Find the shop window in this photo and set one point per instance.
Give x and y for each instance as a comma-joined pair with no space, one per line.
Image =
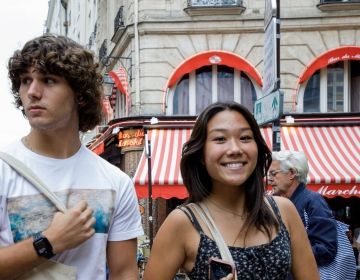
355,86
335,88
181,97
203,88
209,84
225,84
249,97
311,95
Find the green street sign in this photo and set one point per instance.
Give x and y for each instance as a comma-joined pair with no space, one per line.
268,108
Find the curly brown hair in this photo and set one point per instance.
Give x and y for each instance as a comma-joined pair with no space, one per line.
59,55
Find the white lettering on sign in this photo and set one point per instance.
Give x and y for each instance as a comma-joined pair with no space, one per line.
346,56
326,191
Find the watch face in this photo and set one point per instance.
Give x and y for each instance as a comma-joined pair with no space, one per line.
43,247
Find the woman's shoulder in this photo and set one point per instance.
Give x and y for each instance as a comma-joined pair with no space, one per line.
177,228
178,218
286,207
282,201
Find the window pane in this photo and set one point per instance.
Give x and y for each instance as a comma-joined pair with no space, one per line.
122,104
335,94
248,93
203,88
312,94
120,100
225,83
355,86
181,97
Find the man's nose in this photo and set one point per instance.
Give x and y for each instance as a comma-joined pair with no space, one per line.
34,90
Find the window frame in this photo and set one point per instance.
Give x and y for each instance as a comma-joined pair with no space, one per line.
120,107
192,90
323,90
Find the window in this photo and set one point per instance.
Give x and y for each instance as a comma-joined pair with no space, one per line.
181,97
120,107
355,86
207,85
335,88
311,95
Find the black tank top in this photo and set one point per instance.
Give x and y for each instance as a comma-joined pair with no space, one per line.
269,261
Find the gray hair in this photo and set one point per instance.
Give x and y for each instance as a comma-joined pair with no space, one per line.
295,160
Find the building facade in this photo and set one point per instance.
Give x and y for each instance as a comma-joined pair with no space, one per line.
170,58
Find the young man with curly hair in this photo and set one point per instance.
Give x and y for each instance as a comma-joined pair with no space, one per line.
57,85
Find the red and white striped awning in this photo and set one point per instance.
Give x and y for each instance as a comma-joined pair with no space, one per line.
120,78
333,153
166,145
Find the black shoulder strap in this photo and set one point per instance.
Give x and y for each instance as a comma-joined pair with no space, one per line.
190,214
275,208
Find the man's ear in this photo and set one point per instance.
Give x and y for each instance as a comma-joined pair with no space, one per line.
292,173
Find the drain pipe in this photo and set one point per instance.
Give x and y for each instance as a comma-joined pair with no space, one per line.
137,57
64,3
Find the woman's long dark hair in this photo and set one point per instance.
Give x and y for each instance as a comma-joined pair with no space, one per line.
198,181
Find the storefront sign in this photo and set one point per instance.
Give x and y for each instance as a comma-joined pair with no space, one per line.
332,56
330,191
334,190
131,138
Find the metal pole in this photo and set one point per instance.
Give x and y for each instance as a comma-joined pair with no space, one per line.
276,135
276,124
278,43
150,219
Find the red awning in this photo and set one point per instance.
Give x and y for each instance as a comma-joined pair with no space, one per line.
99,149
333,153
166,145
329,57
121,81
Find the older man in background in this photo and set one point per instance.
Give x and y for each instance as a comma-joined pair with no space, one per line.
287,175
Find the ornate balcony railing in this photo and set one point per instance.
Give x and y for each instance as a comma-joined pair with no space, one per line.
103,52
92,37
338,5
214,3
119,19
212,7
337,1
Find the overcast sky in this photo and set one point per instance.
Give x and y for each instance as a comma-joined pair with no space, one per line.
20,21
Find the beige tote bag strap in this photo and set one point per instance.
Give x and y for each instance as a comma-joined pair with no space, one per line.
205,215
27,173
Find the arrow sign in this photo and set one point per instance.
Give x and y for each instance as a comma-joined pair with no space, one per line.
275,103
268,108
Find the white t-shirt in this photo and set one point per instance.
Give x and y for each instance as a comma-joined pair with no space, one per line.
84,176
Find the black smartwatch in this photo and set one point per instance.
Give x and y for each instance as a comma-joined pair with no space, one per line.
42,246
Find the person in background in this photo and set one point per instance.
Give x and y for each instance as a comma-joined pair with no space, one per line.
223,165
287,175
356,243
57,85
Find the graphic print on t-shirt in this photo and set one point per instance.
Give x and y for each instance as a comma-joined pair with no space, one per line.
33,213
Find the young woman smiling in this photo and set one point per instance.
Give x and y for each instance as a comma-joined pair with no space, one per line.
223,165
